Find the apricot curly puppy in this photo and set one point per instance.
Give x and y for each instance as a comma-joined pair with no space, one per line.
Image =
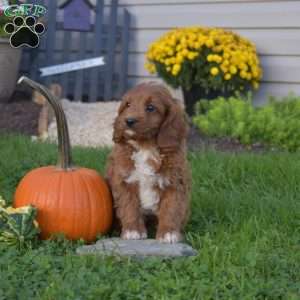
147,169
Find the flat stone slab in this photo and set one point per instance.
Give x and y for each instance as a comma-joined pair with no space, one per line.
136,248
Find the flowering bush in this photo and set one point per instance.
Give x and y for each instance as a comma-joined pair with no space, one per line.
213,58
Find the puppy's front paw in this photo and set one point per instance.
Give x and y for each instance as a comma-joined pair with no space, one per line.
170,237
133,235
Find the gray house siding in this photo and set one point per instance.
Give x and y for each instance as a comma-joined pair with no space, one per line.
273,25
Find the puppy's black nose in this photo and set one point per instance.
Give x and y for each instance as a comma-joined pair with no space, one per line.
130,122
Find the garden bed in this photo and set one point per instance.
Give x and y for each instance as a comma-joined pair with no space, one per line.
21,116
199,141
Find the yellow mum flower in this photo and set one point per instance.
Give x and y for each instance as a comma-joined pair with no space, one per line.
183,42
227,76
209,43
150,55
217,58
167,62
210,57
255,72
176,68
226,55
243,66
171,42
214,71
151,68
172,60
192,36
243,74
192,55
178,48
226,62
218,48
197,45
179,58
233,70
190,44
201,40
185,52
224,68
170,52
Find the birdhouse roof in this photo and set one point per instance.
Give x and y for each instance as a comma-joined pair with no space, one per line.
64,3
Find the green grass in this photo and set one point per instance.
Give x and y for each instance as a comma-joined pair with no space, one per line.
245,225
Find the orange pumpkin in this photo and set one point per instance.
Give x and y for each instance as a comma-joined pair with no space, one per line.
70,200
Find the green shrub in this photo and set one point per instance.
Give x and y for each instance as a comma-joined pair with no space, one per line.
275,124
4,19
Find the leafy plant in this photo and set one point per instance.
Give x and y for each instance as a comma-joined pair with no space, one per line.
4,19
213,58
17,225
276,124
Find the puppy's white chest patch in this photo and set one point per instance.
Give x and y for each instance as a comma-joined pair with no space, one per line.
147,178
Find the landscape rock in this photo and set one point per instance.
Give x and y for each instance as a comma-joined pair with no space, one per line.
137,248
90,124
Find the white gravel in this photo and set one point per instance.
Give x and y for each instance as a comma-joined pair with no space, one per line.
90,124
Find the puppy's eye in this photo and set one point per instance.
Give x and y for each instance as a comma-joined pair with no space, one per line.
127,104
150,108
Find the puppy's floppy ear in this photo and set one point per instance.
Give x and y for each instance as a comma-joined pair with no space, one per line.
122,106
174,129
117,132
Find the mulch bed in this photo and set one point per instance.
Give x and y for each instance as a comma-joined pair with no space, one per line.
200,141
20,115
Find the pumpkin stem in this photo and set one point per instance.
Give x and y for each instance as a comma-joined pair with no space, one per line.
64,147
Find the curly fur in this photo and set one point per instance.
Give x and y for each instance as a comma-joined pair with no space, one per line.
147,169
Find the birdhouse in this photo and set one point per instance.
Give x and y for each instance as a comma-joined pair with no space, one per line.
77,15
